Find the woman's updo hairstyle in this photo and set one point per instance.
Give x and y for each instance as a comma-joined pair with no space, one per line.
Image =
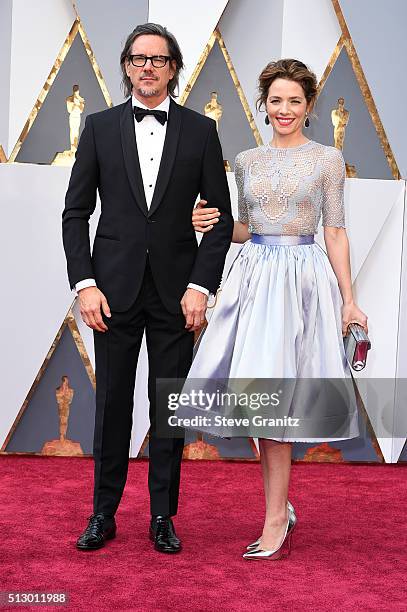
292,70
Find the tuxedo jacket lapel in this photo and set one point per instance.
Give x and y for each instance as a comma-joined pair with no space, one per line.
130,154
168,155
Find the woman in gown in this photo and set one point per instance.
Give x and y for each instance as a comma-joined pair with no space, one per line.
285,304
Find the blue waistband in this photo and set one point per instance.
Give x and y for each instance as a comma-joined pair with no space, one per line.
282,240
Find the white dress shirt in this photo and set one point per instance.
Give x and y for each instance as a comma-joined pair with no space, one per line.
150,136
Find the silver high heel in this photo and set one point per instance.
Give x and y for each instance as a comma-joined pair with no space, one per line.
283,549
294,520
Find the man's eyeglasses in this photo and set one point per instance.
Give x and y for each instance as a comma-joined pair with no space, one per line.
158,61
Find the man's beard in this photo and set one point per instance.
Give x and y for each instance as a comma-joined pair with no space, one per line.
147,93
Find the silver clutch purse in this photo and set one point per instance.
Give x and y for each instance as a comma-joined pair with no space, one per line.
357,344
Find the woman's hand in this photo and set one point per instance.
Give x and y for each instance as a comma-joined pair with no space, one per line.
203,219
351,313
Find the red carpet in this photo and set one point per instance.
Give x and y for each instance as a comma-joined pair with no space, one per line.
349,548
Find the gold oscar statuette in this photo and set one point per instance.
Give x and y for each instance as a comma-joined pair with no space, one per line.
63,446
200,450
75,105
214,110
323,452
351,171
340,119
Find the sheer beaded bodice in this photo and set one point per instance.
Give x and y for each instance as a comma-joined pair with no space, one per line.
285,190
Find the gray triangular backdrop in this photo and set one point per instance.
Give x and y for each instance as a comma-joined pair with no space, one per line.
235,132
49,133
378,31
107,29
40,421
362,146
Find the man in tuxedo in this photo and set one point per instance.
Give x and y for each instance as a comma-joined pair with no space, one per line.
149,158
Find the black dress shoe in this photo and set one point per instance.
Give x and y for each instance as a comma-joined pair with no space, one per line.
162,533
99,529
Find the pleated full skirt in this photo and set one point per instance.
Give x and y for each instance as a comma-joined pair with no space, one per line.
278,316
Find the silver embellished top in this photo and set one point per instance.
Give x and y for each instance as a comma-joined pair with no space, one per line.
284,191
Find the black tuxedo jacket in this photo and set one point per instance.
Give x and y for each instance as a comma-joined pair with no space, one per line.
127,232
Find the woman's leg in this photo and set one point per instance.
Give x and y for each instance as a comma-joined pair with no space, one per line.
265,472
276,463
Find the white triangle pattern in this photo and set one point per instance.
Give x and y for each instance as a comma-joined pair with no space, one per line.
32,31
377,291
369,202
180,19
273,36
37,295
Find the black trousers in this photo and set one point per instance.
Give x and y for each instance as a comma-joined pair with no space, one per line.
169,347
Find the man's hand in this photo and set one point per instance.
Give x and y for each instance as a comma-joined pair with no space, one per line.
193,306
90,301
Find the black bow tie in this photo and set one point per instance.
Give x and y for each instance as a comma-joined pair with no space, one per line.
140,113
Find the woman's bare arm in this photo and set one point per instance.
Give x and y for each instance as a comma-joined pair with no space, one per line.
337,246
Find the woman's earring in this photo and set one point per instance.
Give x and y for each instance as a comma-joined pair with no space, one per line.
306,122
267,120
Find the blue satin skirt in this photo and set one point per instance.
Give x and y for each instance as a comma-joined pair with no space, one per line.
278,316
